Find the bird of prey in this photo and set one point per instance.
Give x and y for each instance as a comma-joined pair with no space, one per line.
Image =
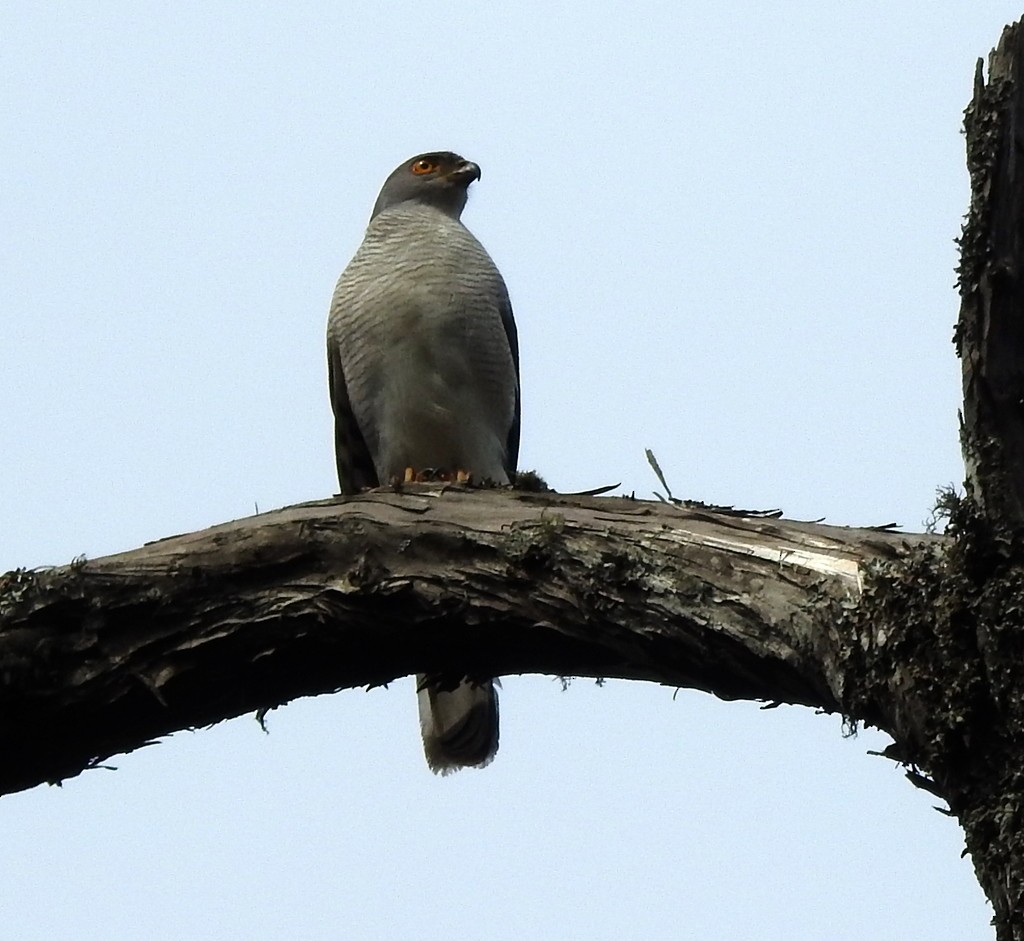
423,365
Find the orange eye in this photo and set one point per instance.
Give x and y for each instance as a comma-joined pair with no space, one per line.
423,166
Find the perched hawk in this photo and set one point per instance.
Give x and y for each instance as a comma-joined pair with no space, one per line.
423,365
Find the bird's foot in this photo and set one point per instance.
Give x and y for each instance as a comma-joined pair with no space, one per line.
426,475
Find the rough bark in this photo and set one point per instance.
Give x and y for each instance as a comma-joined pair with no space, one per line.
980,762
990,332
100,656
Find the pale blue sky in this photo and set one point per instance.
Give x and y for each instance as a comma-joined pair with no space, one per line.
728,235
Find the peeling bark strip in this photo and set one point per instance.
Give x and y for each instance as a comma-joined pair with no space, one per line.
99,657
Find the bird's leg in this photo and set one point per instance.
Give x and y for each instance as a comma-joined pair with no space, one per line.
427,475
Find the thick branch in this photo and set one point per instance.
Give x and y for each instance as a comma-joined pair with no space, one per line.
99,657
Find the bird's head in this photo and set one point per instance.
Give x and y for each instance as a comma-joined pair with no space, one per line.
440,179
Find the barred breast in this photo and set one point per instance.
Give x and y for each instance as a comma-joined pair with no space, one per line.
417,318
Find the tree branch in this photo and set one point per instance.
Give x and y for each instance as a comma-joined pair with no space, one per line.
101,656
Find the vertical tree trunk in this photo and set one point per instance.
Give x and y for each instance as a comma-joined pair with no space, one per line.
984,780
990,334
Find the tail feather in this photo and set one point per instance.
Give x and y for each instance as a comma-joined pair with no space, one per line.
459,726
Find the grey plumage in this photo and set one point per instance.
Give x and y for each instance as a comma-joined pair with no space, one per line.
423,368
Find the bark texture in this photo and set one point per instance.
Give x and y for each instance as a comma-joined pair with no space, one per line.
990,332
101,656
979,763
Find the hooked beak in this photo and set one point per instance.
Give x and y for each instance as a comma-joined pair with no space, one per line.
465,173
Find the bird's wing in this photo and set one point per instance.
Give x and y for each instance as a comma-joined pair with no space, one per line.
512,335
355,466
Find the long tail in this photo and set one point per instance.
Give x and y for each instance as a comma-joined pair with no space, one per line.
459,726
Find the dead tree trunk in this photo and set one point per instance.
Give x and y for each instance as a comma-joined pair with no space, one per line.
922,636
982,770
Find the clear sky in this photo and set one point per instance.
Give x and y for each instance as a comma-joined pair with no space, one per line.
728,232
